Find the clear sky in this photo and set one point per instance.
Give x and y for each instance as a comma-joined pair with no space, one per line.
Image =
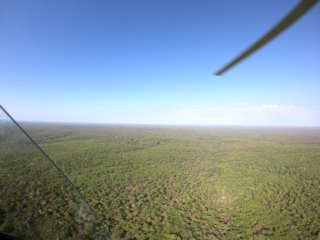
151,61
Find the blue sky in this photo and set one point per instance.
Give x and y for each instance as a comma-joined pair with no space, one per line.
134,61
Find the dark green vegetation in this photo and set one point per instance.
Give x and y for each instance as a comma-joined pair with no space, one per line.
35,200
188,183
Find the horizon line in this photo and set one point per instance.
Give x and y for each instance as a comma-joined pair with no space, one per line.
167,124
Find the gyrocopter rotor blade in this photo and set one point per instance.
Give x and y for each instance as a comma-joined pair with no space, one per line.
294,15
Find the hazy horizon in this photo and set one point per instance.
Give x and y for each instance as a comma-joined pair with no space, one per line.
147,125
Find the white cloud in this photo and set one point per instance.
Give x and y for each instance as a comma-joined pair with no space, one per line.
249,114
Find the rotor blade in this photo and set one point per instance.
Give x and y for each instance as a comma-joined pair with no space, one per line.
295,14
